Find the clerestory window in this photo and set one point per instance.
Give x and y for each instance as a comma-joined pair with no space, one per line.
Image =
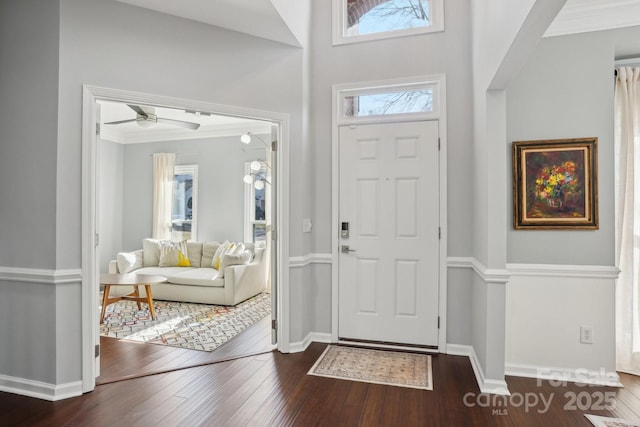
362,20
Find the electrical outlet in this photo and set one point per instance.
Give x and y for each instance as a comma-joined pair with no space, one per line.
586,334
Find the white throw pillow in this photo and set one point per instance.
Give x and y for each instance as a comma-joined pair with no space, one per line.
222,250
234,259
151,248
238,249
208,251
129,261
174,254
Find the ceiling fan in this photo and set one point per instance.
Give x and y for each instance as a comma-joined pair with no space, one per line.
146,116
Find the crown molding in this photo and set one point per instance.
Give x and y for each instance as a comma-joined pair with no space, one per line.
594,15
179,134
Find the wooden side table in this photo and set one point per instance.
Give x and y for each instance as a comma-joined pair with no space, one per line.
135,280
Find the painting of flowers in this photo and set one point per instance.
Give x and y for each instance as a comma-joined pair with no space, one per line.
554,184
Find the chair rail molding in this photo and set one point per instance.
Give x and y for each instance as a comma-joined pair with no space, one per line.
37,275
313,258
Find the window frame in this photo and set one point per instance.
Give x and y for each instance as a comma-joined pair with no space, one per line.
249,205
389,86
339,27
193,171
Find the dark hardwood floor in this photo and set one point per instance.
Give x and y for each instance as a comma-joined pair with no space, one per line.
273,389
120,360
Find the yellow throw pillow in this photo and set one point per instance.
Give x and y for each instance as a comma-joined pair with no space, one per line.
174,254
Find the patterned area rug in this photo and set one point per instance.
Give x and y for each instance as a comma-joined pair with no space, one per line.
599,421
375,366
178,324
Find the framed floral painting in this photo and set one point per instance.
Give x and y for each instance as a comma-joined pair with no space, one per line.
555,184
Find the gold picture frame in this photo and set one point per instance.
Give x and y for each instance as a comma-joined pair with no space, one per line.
555,184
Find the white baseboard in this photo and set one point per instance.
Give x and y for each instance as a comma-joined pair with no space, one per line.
300,346
564,375
40,390
486,385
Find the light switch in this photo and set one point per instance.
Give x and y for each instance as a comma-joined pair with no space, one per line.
306,225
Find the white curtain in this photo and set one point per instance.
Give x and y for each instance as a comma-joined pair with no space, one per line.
627,164
163,172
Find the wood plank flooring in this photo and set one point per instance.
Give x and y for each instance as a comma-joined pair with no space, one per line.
121,359
273,389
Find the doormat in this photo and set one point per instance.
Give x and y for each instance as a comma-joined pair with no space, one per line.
599,421
186,325
412,370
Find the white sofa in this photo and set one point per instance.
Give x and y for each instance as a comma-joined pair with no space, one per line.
200,282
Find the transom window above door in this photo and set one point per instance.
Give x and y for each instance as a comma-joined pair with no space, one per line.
400,100
363,20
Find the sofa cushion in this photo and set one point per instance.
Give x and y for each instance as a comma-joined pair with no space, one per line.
234,259
151,248
174,254
128,261
208,251
197,277
162,271
194,249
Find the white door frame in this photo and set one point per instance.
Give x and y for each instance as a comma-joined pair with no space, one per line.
439,113
89,208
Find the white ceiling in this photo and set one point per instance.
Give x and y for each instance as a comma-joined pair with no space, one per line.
254,17
210,125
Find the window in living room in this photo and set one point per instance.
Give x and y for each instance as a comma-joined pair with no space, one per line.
183,214
255,206
363,20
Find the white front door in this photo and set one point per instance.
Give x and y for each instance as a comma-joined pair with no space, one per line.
389,196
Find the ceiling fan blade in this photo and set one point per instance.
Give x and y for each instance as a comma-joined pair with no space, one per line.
180,123
121,121
138,110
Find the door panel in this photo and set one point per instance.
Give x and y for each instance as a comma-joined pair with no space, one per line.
389,194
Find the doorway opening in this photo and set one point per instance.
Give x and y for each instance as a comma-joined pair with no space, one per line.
115,207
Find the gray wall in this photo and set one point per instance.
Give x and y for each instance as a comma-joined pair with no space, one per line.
448,52
566,91
29,32
110,211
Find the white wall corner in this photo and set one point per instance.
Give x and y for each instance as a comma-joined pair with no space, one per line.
300,346
40,390
561,376
486,385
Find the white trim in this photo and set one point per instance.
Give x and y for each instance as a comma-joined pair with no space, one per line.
338,25
440,114
575,271
499,387
36,275
300,346
538,270
303,261
563,375
40,390
89,207
587,16
489,275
